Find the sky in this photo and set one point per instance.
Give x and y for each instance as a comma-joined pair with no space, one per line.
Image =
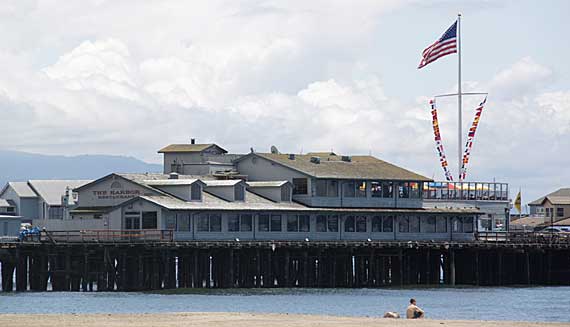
127,77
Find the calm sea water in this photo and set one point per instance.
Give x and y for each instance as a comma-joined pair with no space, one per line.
521,304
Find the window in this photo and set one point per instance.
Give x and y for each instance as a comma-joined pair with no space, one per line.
428,224
327,188
239,193
149,220
403,190
233,223
298,223
263,223
376,189
387,189
388,224
441,225
195,192
300,186
132,220
348,190
559,212
183,222
285,193
327,223
457,225
467,224
246,223
414,224
355,224
404,225
275,223
361,189
55,212
415,190
209,222
376,224
5,232
10,209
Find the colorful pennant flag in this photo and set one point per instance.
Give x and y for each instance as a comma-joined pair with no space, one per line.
438,143
470,137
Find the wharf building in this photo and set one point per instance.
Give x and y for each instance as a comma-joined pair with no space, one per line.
205,193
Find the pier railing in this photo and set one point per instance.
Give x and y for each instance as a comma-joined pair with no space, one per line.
524,237
112,236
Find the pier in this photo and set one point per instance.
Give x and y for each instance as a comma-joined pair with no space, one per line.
115,261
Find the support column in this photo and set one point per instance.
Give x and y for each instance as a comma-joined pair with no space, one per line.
451,267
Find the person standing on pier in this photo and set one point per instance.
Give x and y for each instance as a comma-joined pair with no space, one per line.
413,311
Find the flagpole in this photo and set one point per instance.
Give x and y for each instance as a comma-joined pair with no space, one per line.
459,111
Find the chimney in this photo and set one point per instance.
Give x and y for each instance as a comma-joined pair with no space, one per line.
192,141
173,176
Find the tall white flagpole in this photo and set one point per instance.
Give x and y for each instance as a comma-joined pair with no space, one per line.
459,113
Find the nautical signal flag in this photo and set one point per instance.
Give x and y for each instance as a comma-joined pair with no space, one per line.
518,202
445,45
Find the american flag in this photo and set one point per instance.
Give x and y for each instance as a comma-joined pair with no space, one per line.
446,44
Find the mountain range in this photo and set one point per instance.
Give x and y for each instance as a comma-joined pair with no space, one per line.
22,166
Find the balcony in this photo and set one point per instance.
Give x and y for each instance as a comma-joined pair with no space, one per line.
466,191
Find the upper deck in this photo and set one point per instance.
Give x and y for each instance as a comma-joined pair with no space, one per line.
466,191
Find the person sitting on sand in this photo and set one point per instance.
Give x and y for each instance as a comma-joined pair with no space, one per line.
413,311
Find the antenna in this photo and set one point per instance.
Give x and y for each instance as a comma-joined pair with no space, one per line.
274,150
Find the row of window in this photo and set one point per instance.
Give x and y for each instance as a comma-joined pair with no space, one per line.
324,223
358,189
559,212
138,220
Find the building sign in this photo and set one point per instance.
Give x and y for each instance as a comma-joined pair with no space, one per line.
116,194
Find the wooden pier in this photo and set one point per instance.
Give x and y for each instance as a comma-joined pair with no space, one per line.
113,263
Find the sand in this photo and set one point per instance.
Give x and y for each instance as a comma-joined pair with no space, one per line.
236,319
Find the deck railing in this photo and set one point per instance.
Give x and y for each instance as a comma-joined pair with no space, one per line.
104,236
524,237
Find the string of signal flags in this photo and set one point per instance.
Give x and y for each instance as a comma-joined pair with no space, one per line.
450,43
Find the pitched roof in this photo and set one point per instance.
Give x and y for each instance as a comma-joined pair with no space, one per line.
222,182
267,184
528,221
188,148
4,203
52,190
563,192
332,166
562,222
22,189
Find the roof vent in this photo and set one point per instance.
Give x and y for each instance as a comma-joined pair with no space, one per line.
316,160
346,158
173,176
291,156
192,141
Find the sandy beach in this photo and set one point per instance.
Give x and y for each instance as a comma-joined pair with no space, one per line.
237,319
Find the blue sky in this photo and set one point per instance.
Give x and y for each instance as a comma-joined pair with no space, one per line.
127,77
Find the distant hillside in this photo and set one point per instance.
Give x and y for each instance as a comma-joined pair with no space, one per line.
22,166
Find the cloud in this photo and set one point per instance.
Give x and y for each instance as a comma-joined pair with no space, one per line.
524,77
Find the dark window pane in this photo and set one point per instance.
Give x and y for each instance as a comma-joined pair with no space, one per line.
215,223
387,190
195,192
361,224
414,224
149,220
404,225
183,222
246,223
321,186
403,190
299,186
128,223
414,190
441,225
233,223
202,223
468,224
321,223
348,189
332,189
292,225
376,224
332,224
349,224
263,223
387,224
239,193
304,223
276,223
428,224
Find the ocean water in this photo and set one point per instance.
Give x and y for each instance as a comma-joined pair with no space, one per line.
521,304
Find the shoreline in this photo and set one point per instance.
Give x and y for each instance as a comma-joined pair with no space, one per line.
243,319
